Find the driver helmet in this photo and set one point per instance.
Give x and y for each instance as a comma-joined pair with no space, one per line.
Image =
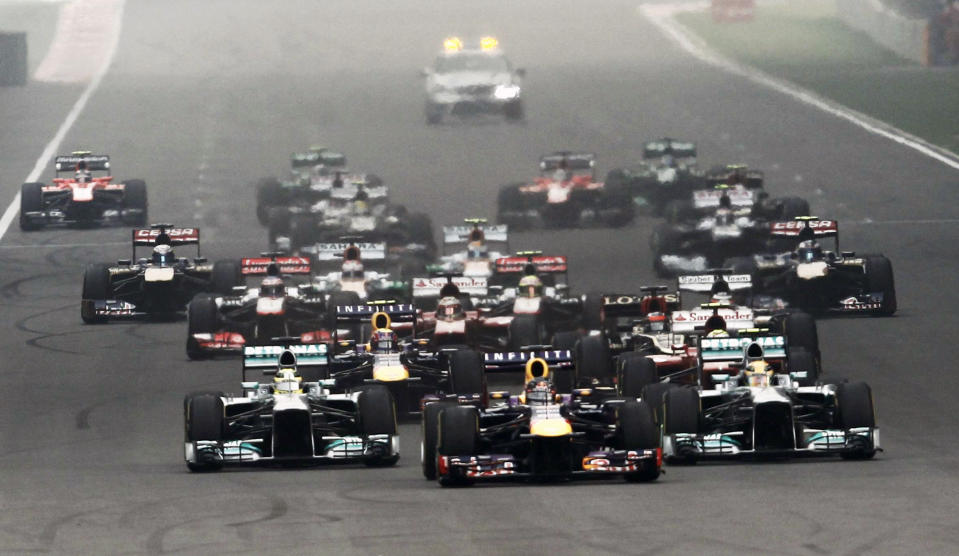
562,172
272,286
655,323
725,202
384,340
758,374
82,174
718,333
449,308
163,254
737,175
352,269
725,216
476,250
809,251
540,391
287,381
530,286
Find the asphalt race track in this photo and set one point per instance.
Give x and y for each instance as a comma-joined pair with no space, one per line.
204,97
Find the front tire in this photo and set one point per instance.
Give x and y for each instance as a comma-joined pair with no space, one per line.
135,197
31,200
637,431
430,427
458,435
879,278
856,410
377,412
96,287
202,318
204,421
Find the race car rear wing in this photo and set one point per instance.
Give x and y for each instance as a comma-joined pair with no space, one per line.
678,149
266,357
306,159
733,349
516,360
431,287
703,283
94,162
165,234
541,263
653,299
260,266
464,234
796,228
326,252
398,312
710,198
574,161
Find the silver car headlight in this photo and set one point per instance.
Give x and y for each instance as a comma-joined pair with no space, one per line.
506,92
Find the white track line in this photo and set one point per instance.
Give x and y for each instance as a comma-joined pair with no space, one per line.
51,149
661,15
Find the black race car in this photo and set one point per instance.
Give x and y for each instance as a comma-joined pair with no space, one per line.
817,280
667,172
541,435
159,286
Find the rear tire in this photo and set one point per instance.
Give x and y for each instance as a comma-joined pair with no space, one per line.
269,193
31,200
682,413
226,275
637,431
278,223
96,287
634,372
135,197
594,364
525,330
801,359
340,299
301,231
467,374
202,318
593,311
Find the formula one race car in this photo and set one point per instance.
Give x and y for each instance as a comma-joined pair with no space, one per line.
695,246
667,172
742,199
540,435
472,81
226,323
356,274
566,194
160,286
466,249
288,419
312,174
83,200
761,410
821,281
410,369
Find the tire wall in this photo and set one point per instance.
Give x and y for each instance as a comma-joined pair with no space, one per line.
13,59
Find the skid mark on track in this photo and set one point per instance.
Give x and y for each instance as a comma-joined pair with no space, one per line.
41,335
12,288
278,509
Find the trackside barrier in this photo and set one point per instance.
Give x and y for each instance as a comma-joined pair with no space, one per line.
13,59
905,36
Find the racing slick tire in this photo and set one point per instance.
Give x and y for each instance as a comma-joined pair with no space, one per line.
655,395
879,278
593,311
458,434
467,375
430,428
800,330
801,359
278,223
633,372
301,231
514,111
96,286
682,413
203,420
225,276
618,205
269,193
202,318
31,200
377,412
637,430
856,409
525,330
593,362
565,339
135,197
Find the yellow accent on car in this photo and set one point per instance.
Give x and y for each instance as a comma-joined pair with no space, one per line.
380,315
550,428
390,373
533,362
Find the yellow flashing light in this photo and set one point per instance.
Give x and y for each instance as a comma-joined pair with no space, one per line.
488,43
452,44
